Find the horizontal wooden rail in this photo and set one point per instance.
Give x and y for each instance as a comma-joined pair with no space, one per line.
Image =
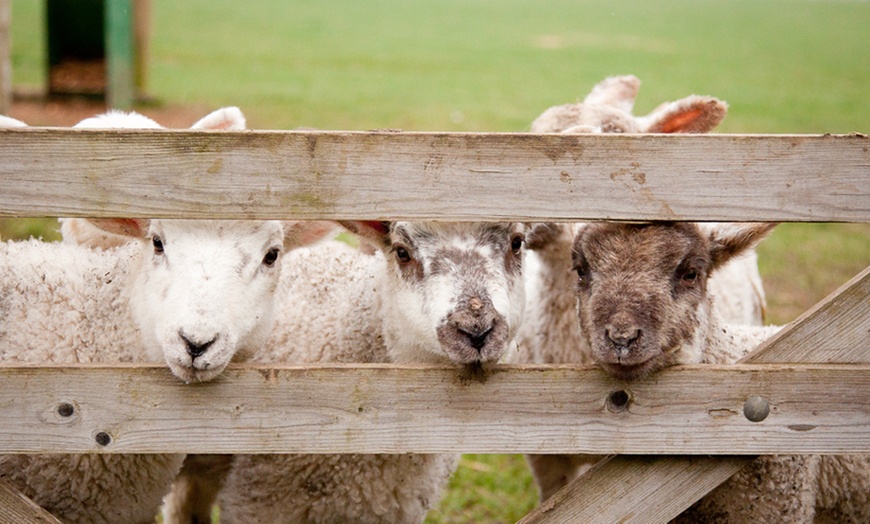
443,176
382,408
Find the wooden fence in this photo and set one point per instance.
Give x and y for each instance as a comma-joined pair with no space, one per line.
683,432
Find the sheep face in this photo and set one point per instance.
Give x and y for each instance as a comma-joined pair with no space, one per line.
204,295
453,292
642,290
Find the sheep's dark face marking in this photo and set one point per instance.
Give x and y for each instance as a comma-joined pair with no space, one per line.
639,288
457,291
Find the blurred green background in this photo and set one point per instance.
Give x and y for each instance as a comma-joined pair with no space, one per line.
790,66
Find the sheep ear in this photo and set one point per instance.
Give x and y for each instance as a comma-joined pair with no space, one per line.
694,114
299,233
374,231
129,227
616,91
729,240
8,122
224,119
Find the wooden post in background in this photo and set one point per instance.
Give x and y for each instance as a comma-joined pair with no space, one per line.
5,57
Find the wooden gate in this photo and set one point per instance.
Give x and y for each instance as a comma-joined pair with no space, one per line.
685,431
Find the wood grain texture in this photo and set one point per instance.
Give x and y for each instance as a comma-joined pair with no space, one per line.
445,176
17,508
635,490
387,409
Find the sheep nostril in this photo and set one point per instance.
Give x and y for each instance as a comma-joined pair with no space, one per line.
196,349
477,339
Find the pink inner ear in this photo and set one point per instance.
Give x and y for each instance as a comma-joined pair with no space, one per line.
676,123
380,227
131,227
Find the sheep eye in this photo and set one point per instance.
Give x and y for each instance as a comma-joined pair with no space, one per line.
582,274
158,244
402,255
517,244
690,276
271,257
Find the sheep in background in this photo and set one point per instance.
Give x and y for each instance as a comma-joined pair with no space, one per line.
550,333
433,293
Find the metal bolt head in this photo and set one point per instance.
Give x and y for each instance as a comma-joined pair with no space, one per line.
756,408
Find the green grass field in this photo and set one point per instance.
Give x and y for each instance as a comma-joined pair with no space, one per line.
789,66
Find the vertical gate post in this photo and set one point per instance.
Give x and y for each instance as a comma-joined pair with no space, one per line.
5,54
120,71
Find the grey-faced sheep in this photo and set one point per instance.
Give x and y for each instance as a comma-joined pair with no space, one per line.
549,333
433,293
192,294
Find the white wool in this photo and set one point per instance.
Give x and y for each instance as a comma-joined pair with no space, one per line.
341,314
67,304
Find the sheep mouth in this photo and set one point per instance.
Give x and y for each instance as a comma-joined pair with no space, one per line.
474,346
628,371
195,371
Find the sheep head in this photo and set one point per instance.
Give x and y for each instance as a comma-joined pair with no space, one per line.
608,109
453,291
642,289
203,293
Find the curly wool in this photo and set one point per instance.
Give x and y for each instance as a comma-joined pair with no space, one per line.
67,304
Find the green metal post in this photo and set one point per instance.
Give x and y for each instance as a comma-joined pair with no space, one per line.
120,71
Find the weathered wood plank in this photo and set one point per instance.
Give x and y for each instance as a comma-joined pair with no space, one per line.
379,408
15,507
637,489
445,176
831,321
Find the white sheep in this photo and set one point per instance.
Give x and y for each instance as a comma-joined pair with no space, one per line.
549,333
194,294
643,306
434,293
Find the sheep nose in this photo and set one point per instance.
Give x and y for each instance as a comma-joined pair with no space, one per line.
196,349
622,336
477,338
